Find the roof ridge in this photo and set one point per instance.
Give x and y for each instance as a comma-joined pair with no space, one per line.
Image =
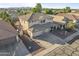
74,16
30,16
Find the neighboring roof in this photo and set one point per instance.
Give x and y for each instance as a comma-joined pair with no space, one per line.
6,30
61,14
69,16
39,16
59,19
76,15
35,16
41,27
25,17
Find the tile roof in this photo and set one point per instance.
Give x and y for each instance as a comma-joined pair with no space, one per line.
57,18
6,30
70,17
67,15
39,16
76,15
25,17
61,14
35,16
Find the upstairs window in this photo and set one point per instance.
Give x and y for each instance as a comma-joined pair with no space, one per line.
42,21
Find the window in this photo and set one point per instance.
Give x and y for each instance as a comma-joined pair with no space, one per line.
42,21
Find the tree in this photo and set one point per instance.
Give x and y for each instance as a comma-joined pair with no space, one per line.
5,16
70,25
34,10
21,11
38,7
64,10
68,9
48,11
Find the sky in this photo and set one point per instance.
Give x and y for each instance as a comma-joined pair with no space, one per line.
44,5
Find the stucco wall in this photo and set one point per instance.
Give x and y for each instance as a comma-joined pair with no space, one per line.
33,23
40,32
39,22
33,34
24,24
49,20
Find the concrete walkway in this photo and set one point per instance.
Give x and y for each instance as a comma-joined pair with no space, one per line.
48,47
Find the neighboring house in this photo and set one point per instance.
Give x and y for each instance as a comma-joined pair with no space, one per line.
76,15
60,20
7,33
36,23
68,17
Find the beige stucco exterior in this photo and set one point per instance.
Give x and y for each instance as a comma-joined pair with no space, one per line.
24,24
39,22
40,32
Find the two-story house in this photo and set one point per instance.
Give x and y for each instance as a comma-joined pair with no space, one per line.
36,23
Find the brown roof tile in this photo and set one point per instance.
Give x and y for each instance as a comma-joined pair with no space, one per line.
57,18
35,16
6,30
67,15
